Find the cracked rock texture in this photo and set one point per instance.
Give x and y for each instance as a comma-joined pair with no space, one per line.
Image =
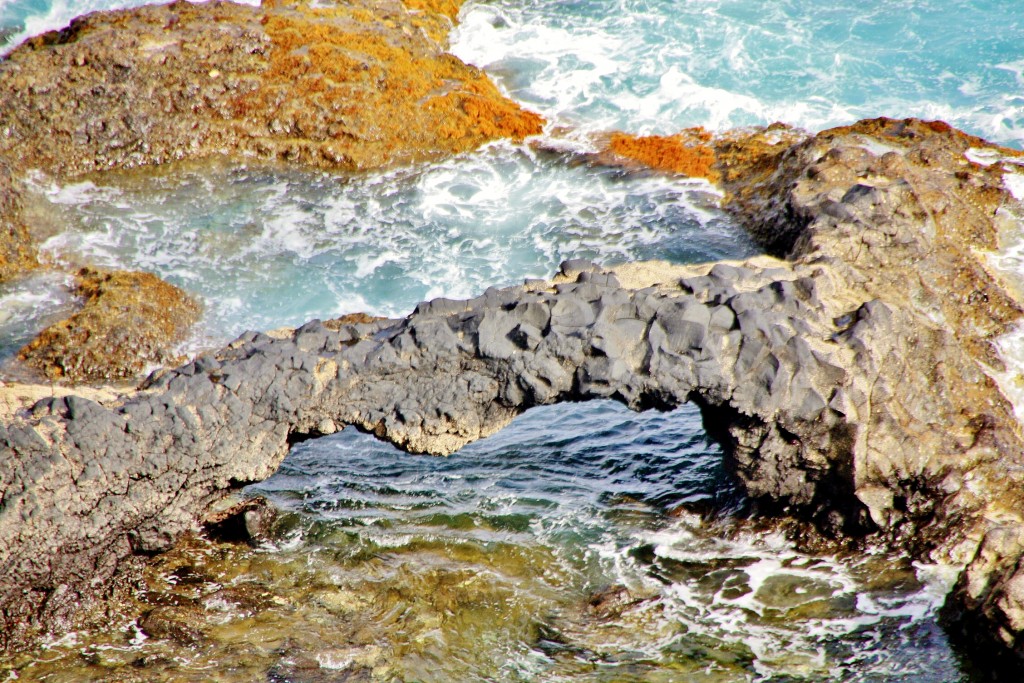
848,379
750,342
899,213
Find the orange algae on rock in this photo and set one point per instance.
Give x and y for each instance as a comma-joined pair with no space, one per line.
374,97
687,152
448,8
346,85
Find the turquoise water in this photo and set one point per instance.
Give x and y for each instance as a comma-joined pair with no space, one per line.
605,498
660,65
285,246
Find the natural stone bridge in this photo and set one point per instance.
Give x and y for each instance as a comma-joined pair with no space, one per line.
761,347
849,382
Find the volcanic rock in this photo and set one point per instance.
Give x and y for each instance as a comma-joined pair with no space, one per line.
346,86
127,321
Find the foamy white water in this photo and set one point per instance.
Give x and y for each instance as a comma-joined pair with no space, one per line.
655,66
281,247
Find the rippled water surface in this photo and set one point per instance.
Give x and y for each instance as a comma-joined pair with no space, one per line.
583,543
566,548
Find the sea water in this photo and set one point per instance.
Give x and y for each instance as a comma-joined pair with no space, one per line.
583,542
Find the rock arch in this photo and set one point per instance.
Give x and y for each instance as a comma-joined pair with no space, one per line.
849,380
745,341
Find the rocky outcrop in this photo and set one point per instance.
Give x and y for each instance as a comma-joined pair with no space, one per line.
126,323
850,378
899,212
687,153
347,86
749,342
17,254
849,381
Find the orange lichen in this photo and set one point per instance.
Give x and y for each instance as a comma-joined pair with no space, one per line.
687,152
356,85
448,8
373,87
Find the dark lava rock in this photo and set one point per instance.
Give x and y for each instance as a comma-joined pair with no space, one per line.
848,382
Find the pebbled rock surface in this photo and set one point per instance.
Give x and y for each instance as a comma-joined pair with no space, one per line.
343,85
126,323
17,253
849,380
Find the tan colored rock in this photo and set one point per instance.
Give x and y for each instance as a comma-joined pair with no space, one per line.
15,397
127,322
334,85
17,254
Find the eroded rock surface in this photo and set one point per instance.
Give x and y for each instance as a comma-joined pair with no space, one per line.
748,342
347,85
899,212
849,381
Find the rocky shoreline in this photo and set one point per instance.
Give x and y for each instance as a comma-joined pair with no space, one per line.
849,374
357,86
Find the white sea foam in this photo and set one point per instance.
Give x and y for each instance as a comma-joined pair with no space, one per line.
1014,182
656,68
29,304
758,563
281,248
1011,378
